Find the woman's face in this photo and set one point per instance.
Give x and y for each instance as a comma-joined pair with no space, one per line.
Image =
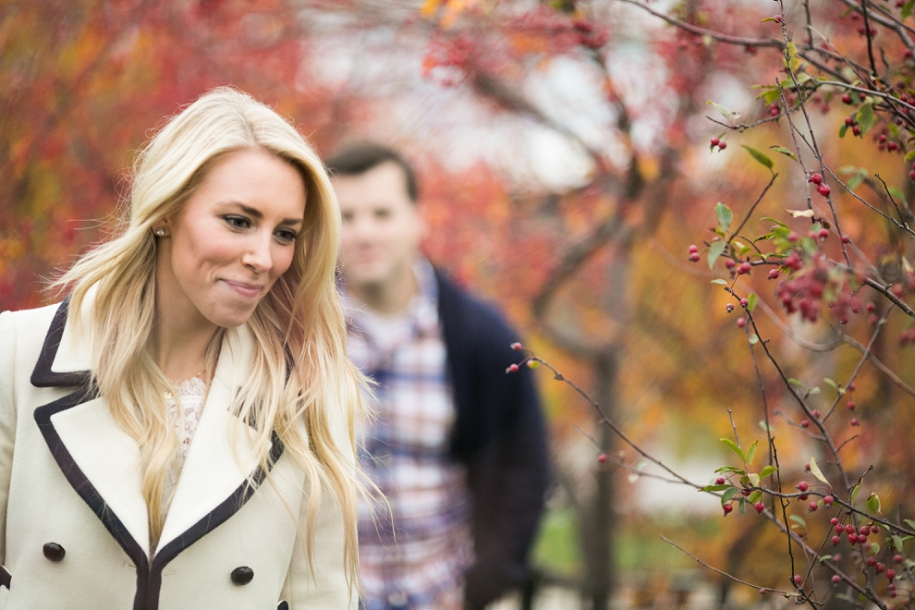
230,242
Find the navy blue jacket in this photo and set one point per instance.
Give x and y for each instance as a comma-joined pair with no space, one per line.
499,435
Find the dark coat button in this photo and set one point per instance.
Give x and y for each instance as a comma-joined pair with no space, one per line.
53,551
242,575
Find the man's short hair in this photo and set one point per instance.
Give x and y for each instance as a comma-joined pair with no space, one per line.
356,159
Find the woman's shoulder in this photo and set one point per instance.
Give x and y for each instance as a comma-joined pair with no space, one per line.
26,329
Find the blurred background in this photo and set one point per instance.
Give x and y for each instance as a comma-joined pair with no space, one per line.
565,167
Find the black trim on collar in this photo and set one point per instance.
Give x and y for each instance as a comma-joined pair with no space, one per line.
84,487
5,578
149,578
211,521
42,375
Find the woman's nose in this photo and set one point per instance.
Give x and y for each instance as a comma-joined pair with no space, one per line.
257,256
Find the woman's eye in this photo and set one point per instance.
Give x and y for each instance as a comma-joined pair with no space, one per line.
286,236
237,222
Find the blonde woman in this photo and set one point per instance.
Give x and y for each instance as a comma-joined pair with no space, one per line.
177,433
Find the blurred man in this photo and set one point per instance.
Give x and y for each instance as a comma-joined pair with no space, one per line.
458,447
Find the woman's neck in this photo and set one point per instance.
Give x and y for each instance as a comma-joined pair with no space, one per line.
180,347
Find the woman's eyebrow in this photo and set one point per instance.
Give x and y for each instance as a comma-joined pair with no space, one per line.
259,215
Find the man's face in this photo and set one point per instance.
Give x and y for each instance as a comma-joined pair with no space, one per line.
382,227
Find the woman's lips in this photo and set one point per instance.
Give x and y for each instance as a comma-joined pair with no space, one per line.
246,290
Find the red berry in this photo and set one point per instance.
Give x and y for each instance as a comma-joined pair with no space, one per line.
846,98
824,190
824,233
856,130
805,423
744,268
880,569
852,386
602,458
715,141
836,540
871,561
729,307
763,591
833,521
694,257
719,481
912,175
852,538
773,274
890,574
851,405
693,248
512,368
836,579
816,178
828,500
846,239
744,303
728,508
741,322
803,497
516,346
798,579
898,558
849,529
839,528
803,486
812,507
854,421
729,263
875,529
722,145
815,413
891,146
760,507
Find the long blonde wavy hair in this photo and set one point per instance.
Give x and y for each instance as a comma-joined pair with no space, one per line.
300,371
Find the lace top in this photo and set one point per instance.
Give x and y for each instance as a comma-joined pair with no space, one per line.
184,411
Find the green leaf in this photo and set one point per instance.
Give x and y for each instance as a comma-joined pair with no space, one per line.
831,383
719,281
854,493
842,130
772,220
911,154
751,452
765,427
875,548
823,558
753,339
910,523
759,156
754,479
907,9
873,503
767,471
896,193
734,448
725,216
784,151
798,520
729,494
814,391
751,302
854,182
815,471
715,487
865,118
724,469
769,19
724,111
714,251
798,383
897,543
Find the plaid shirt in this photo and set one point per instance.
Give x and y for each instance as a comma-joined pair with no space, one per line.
415,556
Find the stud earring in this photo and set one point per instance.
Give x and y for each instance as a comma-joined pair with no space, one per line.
161,232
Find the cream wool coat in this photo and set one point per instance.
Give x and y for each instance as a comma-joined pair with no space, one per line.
69,476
